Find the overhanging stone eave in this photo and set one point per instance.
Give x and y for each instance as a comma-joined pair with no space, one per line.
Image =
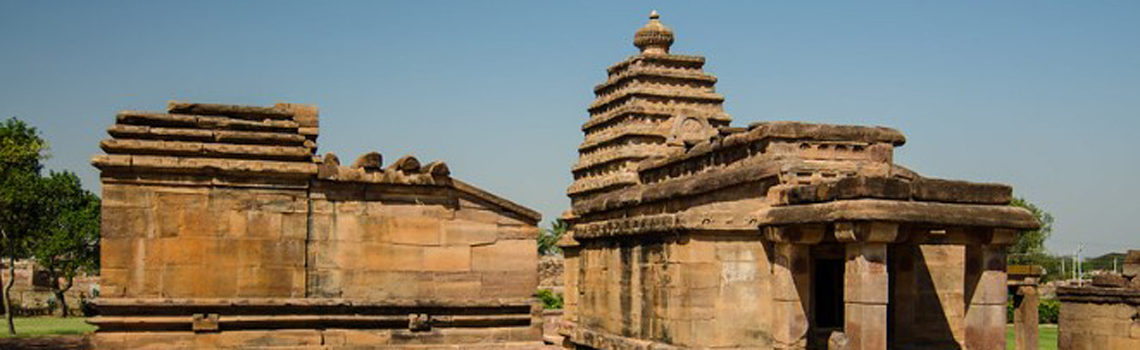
930,213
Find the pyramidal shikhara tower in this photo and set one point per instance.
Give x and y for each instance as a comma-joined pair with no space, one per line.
650,105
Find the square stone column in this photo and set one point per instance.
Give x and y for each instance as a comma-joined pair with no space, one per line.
791,288
986,291
865,294
1025,318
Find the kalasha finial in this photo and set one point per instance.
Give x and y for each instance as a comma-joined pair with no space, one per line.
654,38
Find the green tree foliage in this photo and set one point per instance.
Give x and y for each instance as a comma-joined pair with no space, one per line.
21,150
1030,247
550,300
66,242
548,238
51,219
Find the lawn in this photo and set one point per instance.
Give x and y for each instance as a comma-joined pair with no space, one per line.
1046,337
46,326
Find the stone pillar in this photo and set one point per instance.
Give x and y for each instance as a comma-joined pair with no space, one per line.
866,286
865,294
986,291
1025,318
791,288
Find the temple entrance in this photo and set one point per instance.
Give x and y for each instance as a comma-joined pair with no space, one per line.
828,296
827,308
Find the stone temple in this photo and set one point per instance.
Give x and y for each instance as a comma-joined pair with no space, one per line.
688,233
222,228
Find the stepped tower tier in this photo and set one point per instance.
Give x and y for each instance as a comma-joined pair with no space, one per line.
651,105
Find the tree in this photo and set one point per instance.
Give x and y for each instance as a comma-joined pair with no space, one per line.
66,242
548,238
21,151
1030,246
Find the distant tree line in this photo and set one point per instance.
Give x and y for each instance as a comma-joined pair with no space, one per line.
49,218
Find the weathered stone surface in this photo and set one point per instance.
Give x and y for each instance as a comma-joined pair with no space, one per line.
936,190
689,234
371,161
1111,280
1098,318
237,111
1131,267
266,245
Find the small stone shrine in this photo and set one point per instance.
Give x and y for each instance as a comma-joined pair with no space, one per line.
222,228
687,233
1104,315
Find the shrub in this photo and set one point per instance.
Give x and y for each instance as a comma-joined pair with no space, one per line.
1048,311
550,301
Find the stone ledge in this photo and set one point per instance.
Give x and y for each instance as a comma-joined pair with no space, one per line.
205,149
695,61
923,190
235,111
1000,216
694,94
159,119
603,340
121,131
679,74
201,165
1099,295
664,112
303,302
254,322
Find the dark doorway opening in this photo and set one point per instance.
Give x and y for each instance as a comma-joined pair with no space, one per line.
828,282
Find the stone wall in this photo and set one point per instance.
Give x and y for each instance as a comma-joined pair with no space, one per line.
31,289
223,229
372,243
551,269
1105,315
696,290
1099,319
180,242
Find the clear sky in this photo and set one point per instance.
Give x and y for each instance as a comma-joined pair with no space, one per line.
1043,95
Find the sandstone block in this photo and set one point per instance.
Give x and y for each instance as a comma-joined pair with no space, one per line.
1132,263
447,258
460,232
505,255
371,161
1111,280
936,190
412,230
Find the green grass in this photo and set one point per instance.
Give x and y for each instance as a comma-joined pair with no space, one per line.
46,326
1046,337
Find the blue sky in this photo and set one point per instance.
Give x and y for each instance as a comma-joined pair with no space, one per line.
1043,95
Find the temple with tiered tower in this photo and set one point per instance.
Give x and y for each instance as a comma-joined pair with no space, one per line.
688,233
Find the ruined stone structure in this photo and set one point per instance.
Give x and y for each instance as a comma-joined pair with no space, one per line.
31,289
689,233
1105,315
1022,281
223,229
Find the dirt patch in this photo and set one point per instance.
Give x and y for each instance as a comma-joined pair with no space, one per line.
70,342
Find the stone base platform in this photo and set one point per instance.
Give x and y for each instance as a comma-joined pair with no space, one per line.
316,324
